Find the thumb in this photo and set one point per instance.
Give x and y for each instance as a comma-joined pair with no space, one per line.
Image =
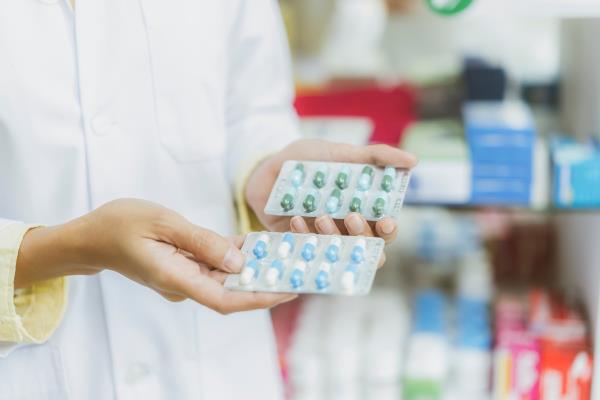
208,247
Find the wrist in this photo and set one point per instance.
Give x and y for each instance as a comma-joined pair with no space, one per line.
51,252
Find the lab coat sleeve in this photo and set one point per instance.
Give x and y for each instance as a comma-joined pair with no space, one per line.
26,315
260,118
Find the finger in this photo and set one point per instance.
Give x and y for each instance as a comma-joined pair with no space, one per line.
381,260
237,240
378,154
176,298
387,229
299,225
211,293
357,225
207,246
325,226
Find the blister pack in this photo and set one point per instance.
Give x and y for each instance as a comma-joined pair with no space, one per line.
313,188
307,263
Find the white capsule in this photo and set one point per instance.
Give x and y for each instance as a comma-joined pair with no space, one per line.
325,266
301,265
348,280
362,243
247,276
284,249
272,276
264,238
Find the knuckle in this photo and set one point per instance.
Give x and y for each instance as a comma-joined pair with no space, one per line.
204,239
164,279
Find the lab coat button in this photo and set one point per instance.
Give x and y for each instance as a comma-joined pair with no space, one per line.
136,372
102,125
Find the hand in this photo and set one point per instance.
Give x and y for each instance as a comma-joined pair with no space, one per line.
264,176
147,243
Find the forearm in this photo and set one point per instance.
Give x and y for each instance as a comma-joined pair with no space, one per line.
51,252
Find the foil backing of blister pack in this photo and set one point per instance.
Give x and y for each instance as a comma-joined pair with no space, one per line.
365,270
393,199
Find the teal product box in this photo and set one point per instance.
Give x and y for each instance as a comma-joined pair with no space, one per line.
575,173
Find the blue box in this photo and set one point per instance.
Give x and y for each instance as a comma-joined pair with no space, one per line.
576,173
501,138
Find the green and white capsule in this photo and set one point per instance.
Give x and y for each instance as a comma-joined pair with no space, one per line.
343,178
356,201
387,182
288,201
334,201
311,201
320,178
366,178
297,176
379,205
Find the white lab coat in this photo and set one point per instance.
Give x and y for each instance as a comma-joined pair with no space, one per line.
153,99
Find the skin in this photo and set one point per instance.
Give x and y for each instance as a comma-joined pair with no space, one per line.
158,248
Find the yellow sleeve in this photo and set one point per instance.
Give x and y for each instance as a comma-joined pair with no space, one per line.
26,315
247,220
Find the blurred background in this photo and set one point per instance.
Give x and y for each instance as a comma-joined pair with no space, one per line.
492,289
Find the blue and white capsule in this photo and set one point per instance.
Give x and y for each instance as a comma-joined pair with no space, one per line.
358,251
297,276
309,248
260,247
297,177
320,178
387,182
333,250
334,201
323,278
274,273
365,179
286,246
250,272
348,280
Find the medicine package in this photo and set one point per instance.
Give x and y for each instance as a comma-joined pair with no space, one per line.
308,263
313,188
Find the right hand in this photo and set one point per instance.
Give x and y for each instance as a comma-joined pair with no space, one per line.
147,243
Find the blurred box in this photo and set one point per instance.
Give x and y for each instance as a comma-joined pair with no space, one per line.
501,137
576,173
483,81
443,175
389,108
565,372
516,365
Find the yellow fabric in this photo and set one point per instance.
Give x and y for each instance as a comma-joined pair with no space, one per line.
247,220
26,315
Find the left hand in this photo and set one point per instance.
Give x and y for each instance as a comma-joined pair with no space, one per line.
263,178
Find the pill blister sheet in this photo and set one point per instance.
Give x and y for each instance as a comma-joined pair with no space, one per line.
392,199
364,270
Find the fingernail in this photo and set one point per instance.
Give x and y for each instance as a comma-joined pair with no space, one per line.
234,260
387,227
298,224
325,225
355,224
